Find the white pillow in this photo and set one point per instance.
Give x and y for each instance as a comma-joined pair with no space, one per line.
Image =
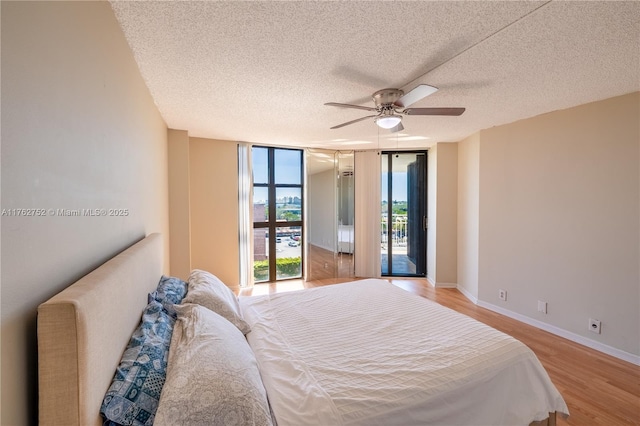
212,375
207,290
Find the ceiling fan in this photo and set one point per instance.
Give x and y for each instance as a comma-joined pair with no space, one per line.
391,105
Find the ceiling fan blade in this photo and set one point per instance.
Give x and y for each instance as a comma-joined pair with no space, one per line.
414,95
350,106
434,111
398,128
353,121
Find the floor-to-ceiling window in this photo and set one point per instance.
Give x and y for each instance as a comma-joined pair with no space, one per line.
403,213
277,213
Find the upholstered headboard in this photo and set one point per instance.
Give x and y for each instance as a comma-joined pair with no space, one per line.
84,329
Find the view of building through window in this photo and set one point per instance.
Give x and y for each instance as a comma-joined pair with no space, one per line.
277,213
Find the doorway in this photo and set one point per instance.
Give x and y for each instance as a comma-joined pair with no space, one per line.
403,214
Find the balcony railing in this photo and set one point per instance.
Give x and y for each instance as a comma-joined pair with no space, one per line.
398,232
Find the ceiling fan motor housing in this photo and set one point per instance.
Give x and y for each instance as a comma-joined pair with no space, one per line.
386,97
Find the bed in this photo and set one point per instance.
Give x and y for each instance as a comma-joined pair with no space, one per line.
346,359
346,239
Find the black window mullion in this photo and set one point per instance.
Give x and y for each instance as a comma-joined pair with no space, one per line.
390,214
272,216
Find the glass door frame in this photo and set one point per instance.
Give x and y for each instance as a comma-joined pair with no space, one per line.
422,221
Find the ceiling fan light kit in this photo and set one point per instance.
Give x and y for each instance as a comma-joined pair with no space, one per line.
391,105
388,121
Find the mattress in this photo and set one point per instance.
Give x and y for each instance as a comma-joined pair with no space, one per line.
346,239
370,353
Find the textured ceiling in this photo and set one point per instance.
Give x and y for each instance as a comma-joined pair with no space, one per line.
262,71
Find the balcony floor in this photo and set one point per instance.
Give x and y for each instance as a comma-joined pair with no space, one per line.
401,264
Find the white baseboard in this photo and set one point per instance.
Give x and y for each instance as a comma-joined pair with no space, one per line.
446,285
601,347
431,281
468,295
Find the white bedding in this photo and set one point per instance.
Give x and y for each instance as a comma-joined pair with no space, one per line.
370,353
346,239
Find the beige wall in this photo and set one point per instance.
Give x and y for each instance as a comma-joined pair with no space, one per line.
442,202
203,211
558,217
213,176
446,213
468,198
79,131
179,203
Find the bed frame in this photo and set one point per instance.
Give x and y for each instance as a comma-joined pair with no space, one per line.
83,331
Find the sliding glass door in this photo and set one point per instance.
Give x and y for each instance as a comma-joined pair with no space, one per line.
277,213
403,214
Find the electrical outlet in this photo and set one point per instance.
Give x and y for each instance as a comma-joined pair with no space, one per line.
542,306
502,294
594,325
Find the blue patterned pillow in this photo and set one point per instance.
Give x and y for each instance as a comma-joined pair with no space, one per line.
170,291
132,398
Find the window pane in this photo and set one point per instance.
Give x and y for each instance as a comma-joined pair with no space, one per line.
288,204
399,187
260,160
288,252
288,166
260,204
260,255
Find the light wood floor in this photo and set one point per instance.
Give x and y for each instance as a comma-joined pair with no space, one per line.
599,389
325,264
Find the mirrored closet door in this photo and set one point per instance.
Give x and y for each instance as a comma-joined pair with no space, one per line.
330,214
